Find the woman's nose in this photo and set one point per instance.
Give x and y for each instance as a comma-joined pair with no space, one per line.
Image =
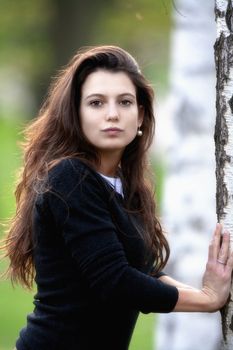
112,113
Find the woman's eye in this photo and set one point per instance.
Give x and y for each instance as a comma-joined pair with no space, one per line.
96,103
126,102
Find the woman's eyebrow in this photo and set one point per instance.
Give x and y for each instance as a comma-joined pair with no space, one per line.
94,95
127,94
103,95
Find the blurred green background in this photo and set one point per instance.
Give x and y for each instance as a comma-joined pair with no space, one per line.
38,37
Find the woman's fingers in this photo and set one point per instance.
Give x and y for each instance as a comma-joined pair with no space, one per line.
219,246
215,243
229,264
224,250
217,277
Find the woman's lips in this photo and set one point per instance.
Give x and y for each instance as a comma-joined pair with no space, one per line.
112,131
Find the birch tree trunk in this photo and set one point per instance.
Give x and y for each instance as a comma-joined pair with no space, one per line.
189,211
224,137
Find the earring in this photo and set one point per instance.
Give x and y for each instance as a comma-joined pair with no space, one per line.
139,133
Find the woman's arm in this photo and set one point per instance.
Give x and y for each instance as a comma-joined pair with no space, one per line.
80,207
190,298
172,282
216,280
79,204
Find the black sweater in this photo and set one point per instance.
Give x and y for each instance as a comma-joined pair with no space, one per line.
91,274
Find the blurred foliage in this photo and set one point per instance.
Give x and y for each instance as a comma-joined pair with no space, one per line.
142,27
37,37
24,41
9,162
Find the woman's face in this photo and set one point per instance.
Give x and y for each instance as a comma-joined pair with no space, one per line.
109,112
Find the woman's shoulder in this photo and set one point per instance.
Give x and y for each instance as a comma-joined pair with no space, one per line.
70,168
68,173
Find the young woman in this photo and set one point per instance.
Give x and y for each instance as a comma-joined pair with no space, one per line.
85,227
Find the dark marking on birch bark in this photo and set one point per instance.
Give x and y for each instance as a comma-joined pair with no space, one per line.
229,18
231,324
218,13
221,197
224,312
230,48
231,104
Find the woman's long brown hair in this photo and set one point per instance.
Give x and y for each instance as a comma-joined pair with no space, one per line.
57,134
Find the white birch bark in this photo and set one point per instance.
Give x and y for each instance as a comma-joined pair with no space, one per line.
189,211
224,137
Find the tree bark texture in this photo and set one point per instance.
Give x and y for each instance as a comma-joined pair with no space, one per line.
224,137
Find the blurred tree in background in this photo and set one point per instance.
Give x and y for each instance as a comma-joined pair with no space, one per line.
37,37
26,53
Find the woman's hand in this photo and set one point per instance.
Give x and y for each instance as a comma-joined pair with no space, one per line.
216,280
217,277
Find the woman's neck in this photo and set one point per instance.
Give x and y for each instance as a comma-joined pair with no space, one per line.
109,164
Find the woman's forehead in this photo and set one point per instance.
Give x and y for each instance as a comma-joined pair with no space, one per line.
106,81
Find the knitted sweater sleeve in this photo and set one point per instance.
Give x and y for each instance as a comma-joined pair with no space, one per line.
79,206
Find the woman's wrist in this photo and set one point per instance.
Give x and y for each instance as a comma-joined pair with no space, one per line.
172,282
215,300
196,300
